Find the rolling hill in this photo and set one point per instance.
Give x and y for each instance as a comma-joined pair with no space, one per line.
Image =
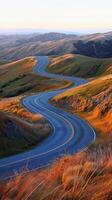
80,66
86,175
17,78
93,101
20,129
14,47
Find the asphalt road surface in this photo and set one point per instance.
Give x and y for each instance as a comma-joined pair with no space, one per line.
70,134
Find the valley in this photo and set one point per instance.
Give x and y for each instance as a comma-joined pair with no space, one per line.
56,117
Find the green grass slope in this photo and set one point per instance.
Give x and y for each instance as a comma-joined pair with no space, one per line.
17,78
81,66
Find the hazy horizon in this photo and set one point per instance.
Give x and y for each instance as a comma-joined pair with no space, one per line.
42,31
74,16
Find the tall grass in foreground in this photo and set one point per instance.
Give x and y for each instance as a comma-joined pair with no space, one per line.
85,176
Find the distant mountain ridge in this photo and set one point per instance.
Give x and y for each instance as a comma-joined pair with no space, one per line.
13,47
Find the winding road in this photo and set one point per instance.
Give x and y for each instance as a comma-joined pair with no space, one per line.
70,133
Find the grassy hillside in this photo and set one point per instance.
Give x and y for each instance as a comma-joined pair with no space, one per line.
93,101
85,176
13,106
82,66
17,78
17,135
17,81
14,47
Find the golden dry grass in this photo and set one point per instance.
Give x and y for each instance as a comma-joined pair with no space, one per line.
85,176
101,124
17,67
13,106
89,89
93,101
59,59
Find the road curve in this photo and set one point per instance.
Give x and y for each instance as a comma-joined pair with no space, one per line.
70,133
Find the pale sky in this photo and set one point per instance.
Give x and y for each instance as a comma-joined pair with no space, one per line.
69,15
